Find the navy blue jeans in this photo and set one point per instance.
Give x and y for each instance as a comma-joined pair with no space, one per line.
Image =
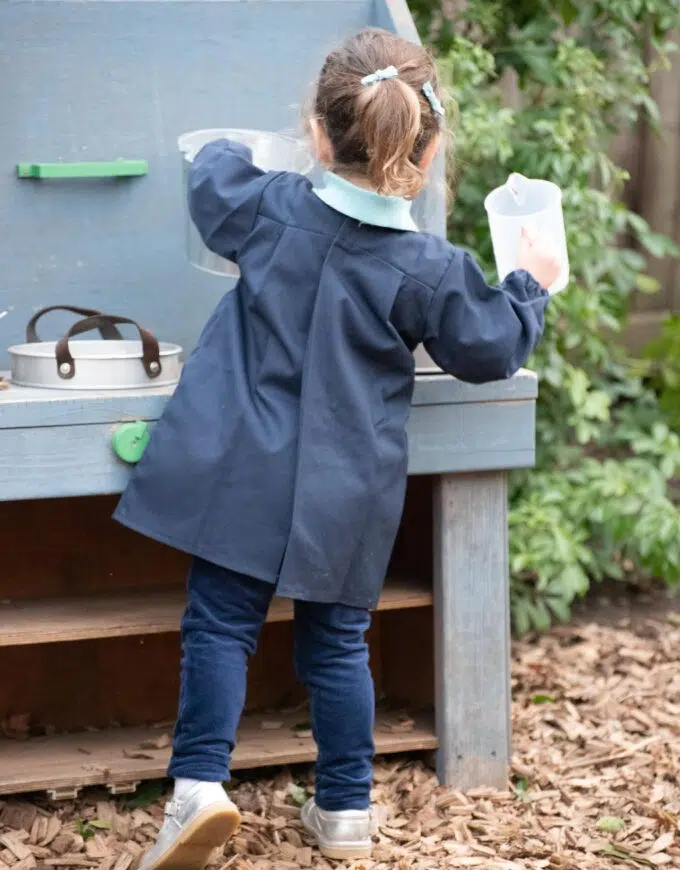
220,629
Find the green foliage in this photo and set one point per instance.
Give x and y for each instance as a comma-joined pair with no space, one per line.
662,368
598,503
87,829
298,794
611,824
145,795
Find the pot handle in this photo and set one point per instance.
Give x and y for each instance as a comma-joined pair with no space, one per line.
107,330
66,367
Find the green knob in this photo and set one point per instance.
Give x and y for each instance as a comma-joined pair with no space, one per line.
129,441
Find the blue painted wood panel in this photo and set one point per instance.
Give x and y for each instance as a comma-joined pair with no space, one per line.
104,79
481,437
57,443
60,461
22,408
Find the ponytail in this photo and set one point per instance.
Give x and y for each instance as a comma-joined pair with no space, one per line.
378,100
389,118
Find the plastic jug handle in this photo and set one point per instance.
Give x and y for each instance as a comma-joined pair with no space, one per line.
514,184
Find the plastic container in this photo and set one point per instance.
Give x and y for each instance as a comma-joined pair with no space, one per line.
271,151
530,203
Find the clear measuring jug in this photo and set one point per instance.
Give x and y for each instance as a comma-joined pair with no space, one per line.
533,204
271,151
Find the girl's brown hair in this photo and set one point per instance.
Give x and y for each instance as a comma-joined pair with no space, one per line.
379,130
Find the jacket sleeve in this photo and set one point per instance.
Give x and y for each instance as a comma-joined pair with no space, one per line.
224,195
480,333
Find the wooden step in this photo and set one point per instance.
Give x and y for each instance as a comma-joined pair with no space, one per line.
120,756
34,621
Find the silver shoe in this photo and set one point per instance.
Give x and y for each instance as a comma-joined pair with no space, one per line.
193,827
340,835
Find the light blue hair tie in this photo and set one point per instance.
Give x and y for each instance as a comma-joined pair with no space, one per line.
390,72
433,99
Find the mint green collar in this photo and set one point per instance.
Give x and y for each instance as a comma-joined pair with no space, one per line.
364,205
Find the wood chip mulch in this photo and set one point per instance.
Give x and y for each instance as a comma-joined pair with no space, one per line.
595,782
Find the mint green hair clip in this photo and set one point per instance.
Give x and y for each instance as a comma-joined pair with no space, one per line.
433,99
390,72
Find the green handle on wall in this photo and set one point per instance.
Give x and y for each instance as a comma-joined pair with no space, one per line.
94,169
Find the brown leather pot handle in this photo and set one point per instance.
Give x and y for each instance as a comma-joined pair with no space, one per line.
107,329
66,367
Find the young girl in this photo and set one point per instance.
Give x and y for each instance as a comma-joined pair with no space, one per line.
280,462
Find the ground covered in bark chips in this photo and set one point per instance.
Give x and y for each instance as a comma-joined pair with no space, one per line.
595,782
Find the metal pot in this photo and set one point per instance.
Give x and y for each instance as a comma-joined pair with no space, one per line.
108,363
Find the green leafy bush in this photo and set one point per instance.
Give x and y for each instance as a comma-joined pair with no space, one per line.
662,368
597,505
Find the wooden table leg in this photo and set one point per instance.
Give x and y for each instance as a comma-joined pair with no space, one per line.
472,648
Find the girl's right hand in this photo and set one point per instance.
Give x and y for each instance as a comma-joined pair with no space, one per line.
538,256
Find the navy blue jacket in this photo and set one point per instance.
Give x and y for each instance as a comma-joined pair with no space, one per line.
283,453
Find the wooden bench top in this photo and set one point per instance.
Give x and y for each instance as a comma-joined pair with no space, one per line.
58,443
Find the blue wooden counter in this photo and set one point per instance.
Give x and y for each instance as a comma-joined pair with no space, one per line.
153,71
58,444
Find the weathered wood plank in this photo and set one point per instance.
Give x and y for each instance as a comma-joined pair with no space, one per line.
25,408
488,435
63,461
472,629
128,614
22,408
104,757
444,390
660,180
59,461
395,15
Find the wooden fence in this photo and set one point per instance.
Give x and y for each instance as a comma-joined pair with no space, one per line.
653,159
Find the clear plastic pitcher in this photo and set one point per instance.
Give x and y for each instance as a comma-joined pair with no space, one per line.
532,204
271,151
